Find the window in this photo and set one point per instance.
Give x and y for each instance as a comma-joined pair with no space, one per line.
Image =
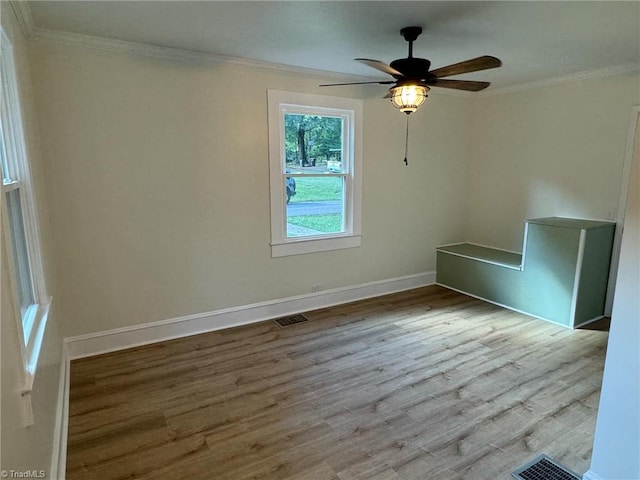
20,239
315,156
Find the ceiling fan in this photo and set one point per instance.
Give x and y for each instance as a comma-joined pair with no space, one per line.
412,77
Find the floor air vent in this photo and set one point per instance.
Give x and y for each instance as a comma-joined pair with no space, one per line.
544,468
290,320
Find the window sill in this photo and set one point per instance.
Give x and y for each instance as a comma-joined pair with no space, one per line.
32,351
31,356
313,245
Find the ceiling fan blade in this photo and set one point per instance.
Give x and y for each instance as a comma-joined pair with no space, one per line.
382,82
467,85
475,64
378,65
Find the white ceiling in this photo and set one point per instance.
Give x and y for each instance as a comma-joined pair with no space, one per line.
535,40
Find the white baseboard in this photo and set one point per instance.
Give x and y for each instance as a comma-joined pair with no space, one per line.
59,451
587,322
127,337
590,475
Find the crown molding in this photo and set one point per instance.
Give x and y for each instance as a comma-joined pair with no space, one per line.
623,69
182,55
190,56
23,15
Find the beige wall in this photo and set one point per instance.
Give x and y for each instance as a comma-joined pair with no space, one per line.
157,182
28,448
555,151
157,191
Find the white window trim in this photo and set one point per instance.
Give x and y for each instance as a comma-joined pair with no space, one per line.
279,102
37,314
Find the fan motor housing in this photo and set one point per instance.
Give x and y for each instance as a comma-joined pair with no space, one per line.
414,68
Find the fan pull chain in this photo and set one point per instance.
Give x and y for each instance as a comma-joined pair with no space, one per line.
406,143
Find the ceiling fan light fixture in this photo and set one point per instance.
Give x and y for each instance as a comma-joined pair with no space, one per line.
407,98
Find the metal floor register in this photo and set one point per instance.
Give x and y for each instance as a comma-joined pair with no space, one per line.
544,468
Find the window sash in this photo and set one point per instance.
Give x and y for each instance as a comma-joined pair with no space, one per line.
20,248
346,225
346,116
10,115
4,156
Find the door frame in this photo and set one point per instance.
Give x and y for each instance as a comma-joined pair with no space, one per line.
631,149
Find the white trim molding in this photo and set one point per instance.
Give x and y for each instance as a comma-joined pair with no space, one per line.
597,73
23,14
191,56
591,475
631,146
137,335
182,55
480,259
59,451
177,54
578,274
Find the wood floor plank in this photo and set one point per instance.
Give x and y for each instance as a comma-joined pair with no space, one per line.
424,384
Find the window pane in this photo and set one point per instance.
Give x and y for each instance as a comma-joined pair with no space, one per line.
317,207
4,164
313,144
20,252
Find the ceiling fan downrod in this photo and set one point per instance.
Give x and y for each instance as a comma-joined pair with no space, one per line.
410,34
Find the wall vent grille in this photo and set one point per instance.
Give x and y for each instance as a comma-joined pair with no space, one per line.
290,320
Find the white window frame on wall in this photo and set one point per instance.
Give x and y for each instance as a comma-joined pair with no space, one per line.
31,318
350,110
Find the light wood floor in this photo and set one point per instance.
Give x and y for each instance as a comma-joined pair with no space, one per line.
426,384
